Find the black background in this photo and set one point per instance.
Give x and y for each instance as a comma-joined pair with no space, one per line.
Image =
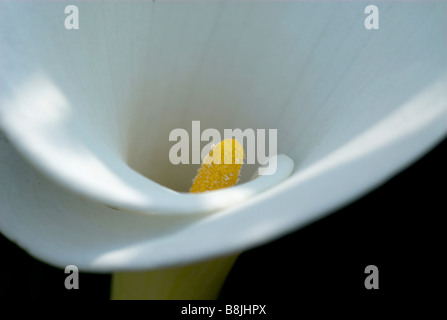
393,227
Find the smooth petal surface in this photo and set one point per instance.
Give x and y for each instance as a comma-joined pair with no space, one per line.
352,107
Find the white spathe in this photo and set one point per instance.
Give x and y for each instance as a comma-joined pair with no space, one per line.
92,109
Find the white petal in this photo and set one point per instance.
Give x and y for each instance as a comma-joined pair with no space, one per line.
352,108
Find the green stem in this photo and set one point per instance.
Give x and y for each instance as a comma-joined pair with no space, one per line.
199,281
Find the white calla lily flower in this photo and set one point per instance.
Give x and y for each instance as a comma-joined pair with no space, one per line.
91,109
